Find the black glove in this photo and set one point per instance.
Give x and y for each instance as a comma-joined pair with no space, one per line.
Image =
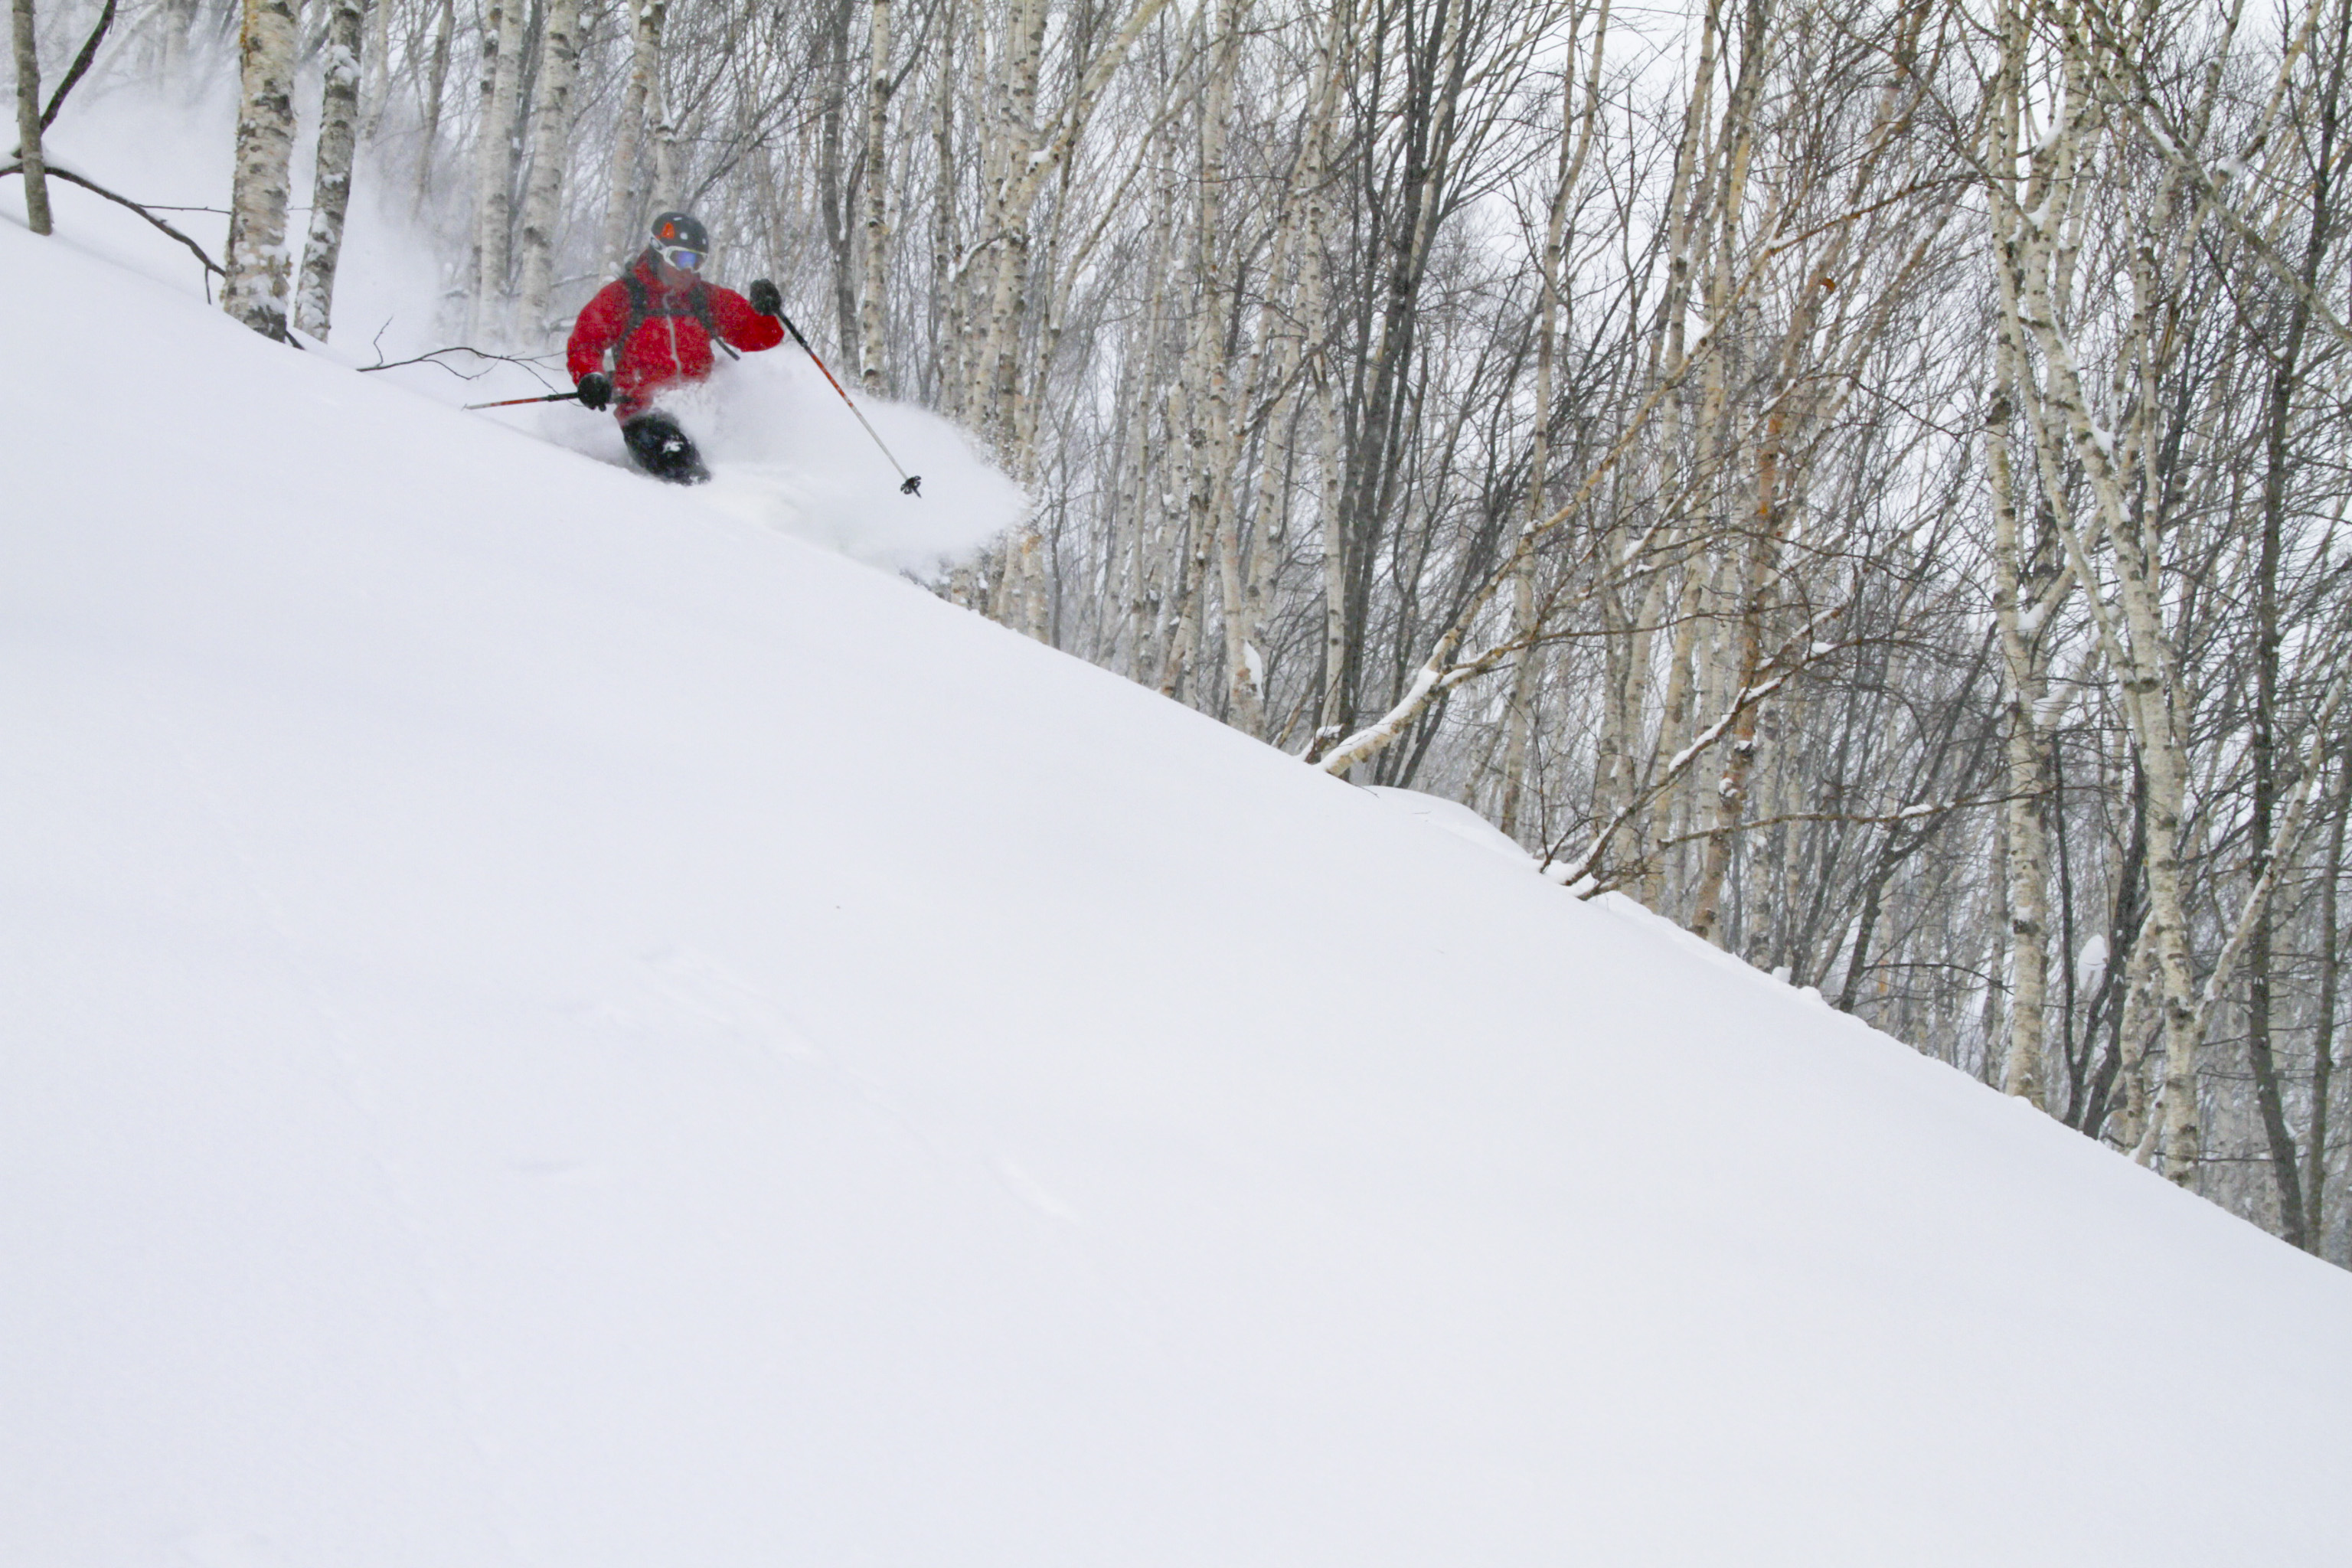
595,389
765,299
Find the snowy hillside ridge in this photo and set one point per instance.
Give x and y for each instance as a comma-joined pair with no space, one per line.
545,1022
1452,817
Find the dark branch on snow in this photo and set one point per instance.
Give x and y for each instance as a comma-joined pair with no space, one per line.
96,189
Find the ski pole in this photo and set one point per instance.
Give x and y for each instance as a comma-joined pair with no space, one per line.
510,402
914,485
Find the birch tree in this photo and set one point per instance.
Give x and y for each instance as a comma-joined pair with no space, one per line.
29,121
551,133
879,83
1207,390
1576,133
436,81
625,211
494,162
1021,154
331,190
257,272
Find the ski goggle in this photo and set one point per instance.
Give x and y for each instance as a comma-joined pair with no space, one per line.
679,256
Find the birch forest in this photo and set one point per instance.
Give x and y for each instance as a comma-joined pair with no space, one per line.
1861,477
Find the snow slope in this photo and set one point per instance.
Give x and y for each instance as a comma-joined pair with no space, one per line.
544,1023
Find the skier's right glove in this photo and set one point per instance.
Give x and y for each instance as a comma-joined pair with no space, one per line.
766,298
595,389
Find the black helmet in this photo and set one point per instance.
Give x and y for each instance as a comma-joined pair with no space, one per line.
680,241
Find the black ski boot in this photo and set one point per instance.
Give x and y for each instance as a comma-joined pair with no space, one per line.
657,446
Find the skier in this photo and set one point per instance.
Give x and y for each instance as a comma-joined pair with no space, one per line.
658,321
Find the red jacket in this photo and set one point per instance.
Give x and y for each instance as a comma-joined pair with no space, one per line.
670,342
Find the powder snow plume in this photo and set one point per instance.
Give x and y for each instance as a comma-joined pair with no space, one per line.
784,450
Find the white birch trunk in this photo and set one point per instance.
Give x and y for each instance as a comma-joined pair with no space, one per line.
832,197
256,265
1143,503
1331,63
28,121
2135,1132
1740,649
2139,653
1518,715
1276,373
1209,381
436,81
330,189
2026,865
625,217
375,80
948,348
550,135
179,17
1733,646
1684,246
1021,155
1001,384
1675,707
494,162
871,312
664,195
2024,848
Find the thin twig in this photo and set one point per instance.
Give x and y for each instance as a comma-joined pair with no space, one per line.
532,363
1881,818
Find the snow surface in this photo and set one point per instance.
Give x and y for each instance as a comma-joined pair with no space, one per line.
543,1022
1452,817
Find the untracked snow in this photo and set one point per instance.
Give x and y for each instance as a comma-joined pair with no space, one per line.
544,1023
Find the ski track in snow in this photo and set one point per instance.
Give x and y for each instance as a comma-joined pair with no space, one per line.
705,987
348,1066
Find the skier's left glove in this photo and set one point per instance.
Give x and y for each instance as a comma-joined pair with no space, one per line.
765,299
595,389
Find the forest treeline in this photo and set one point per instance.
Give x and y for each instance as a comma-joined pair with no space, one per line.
1861,477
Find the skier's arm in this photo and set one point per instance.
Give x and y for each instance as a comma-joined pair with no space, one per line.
594,332
740,325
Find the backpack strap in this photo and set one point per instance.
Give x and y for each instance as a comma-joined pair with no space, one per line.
641,304
698,302
643,310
